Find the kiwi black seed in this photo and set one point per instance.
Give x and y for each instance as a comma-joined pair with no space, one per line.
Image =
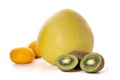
67,62
92,62
79,53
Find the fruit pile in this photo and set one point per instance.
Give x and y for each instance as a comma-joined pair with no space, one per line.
88,62
64,32
24,55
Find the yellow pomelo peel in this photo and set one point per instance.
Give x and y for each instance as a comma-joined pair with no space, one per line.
63,32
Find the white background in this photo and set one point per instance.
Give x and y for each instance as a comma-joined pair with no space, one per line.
21,20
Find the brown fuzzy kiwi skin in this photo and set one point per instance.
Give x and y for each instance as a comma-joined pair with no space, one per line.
100,67
79,53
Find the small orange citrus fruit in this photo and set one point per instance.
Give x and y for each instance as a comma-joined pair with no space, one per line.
22,55
33,46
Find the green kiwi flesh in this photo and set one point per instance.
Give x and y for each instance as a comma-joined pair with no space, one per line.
92,62
67,62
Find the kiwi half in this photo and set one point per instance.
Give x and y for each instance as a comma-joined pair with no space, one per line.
67,62
92,62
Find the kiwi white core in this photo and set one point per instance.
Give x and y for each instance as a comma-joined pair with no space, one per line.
66,61
91,62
